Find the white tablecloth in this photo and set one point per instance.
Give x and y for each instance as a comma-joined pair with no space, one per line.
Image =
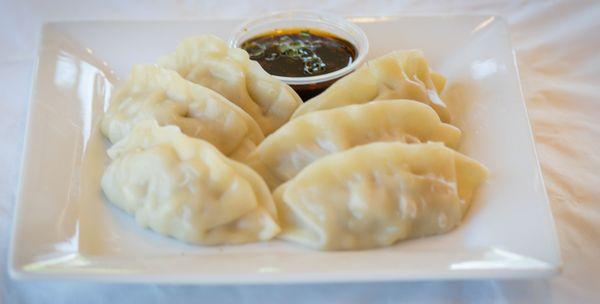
558,46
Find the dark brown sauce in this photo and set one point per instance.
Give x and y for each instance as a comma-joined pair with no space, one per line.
301,53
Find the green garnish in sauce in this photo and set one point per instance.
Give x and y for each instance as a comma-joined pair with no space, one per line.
300,52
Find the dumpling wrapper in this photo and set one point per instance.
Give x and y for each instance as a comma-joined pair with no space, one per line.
377,194
185,188
397,75
309,137
162,95
207,60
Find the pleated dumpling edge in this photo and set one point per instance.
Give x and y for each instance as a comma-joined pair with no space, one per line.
185,188
402,74
151,92
307,138
376,195
209,61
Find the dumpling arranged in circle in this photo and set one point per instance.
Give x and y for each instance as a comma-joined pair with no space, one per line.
283,154
162,95
399,75
185,188
207,60
377,194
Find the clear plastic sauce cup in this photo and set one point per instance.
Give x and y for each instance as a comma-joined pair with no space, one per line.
307,86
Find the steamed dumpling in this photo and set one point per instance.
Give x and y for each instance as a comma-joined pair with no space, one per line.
377,194
183,187
309,137
155,93
207,60
398,75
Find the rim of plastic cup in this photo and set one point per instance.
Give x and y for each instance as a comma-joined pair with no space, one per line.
351,29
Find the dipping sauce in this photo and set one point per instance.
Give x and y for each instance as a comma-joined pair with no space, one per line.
301,53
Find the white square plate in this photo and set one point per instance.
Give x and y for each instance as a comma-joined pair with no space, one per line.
65,229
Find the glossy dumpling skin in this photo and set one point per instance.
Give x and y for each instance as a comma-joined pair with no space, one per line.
185,188
398,75
207,60
155,93
377,194
309,137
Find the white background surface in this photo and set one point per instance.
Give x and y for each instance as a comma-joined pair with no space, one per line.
558,50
